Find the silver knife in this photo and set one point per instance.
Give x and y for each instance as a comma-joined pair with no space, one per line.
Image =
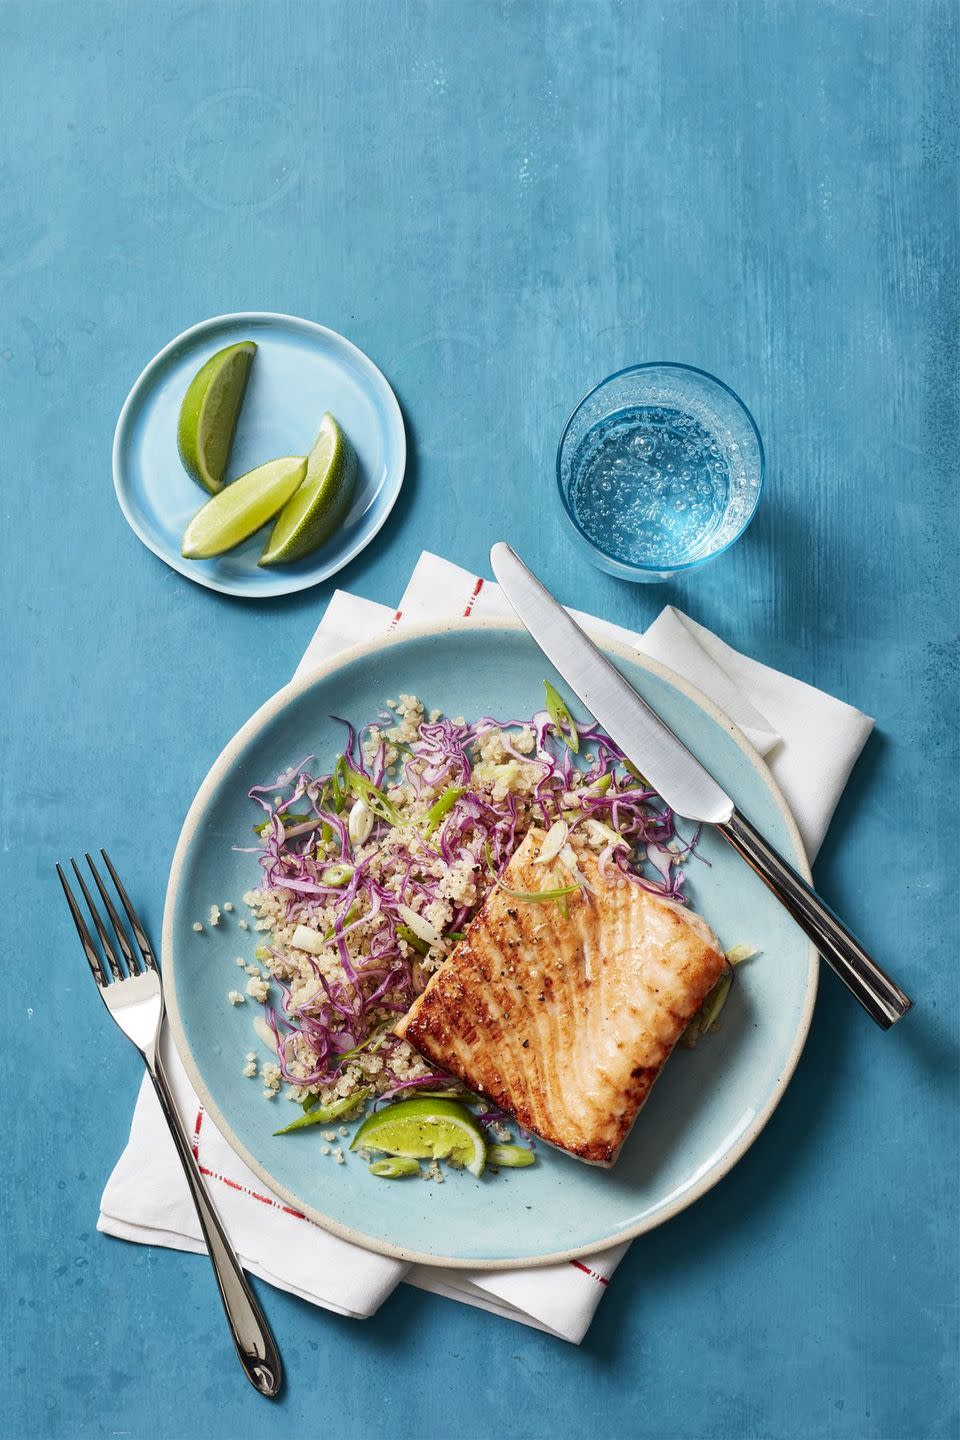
680,779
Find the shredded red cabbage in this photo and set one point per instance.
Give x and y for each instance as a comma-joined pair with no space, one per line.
318,866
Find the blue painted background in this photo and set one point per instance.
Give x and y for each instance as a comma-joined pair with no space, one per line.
500,203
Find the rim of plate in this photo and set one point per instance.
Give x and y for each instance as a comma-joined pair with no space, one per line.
247,732
145,379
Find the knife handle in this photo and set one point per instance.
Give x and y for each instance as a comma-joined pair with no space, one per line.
884,1001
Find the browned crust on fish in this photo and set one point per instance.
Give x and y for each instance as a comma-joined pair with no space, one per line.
565,1021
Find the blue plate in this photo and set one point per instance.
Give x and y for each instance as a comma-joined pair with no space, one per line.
300,370
707,1108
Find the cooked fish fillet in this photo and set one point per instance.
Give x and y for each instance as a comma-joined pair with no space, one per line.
565,1021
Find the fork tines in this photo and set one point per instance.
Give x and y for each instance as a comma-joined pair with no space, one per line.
133,966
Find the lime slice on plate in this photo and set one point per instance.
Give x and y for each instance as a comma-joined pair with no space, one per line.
322,500
425,1129
208,415
238,511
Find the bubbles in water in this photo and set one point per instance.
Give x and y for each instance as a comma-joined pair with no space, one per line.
650,485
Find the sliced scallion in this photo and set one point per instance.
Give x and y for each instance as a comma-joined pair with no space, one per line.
369,1046
442,807
351,914
553,842
285,820
337,875
739,953
360,823
715,1001
338,783
364,789
561,717
394,1167
539,897
325,1114
404,932
510,1157
419,924
306,938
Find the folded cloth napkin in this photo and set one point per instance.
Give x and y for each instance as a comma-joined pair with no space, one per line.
810,741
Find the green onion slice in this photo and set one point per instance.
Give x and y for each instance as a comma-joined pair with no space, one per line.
364,789
536,897
561,717
715,1001
325,1114
351,914
338,783
739,953
285,820
510,1157
404,932
372,1043
442,807
395,1167
337,875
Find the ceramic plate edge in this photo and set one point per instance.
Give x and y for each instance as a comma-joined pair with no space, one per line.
228,587
226,757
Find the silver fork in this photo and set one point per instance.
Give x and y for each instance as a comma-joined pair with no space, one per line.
135,1000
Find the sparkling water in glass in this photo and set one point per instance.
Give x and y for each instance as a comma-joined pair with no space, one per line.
660,467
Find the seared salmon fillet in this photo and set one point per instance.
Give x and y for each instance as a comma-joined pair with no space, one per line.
566,1020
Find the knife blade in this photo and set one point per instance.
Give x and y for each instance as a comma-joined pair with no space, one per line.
685,785
675,774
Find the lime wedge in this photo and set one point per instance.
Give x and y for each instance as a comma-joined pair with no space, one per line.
238,511
208,415
322,500
425,1129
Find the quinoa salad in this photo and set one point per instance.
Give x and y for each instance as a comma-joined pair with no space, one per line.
373,870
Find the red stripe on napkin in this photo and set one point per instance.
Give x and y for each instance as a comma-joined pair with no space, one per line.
594,1274
235,1184
473,598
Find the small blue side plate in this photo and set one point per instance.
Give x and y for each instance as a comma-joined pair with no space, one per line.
707,1109
300,370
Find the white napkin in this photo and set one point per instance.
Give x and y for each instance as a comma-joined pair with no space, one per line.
810,741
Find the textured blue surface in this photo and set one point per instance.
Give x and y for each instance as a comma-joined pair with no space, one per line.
500,204
704,1111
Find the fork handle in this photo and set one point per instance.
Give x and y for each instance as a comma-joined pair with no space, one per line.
251,1333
